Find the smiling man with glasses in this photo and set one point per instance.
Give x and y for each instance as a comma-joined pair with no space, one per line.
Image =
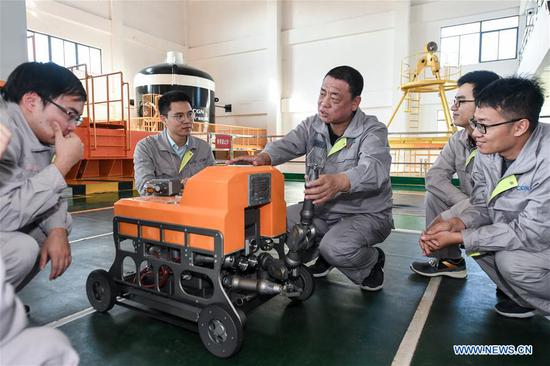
482,128
443,199
40,104
174,153
507,227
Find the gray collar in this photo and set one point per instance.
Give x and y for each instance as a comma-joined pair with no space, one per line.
354,129
525,161
165,143
22,124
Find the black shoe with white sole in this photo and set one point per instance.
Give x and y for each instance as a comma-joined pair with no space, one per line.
455,268
511,309
375,280
320,268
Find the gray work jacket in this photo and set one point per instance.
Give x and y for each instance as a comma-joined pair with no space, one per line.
452,160
30,185
512,212
365,159
154,158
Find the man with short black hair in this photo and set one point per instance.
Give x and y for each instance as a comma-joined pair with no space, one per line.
352,194
444,200
30,209
174,153
507,226
44,103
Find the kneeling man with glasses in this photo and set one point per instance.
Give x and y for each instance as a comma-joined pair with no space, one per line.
174,153
41,105
507,226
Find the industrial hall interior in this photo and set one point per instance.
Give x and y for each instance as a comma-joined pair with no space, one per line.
274,182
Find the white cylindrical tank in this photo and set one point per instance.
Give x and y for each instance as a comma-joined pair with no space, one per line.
175,75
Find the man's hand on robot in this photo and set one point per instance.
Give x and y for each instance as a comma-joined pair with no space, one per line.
326,187
260,159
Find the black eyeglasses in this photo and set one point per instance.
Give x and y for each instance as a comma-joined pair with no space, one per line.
73,116
482,128
180,117
458,102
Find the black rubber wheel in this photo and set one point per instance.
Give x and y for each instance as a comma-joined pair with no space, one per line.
305,282
101,290
243,317
220,330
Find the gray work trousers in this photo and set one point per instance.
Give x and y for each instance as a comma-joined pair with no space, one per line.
20,345
347,242
523,276
20,253
434,207
49,347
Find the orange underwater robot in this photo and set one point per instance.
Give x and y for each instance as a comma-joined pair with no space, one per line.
208,257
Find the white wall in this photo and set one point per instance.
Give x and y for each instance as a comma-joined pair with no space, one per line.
131,34
237,47
268,58
364,42
228,39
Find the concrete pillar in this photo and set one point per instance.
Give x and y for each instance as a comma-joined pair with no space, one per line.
274,59
13,36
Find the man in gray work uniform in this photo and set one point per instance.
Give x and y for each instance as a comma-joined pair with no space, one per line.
44,103
353,194
173,153
507,226
443,199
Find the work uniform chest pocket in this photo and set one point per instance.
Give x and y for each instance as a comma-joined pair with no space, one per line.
509,204
196,165
337,165
192,167
345,155
465,179
166,168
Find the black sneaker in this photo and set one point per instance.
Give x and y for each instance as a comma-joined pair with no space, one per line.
501,294
511,309
320,268
375,280
455,268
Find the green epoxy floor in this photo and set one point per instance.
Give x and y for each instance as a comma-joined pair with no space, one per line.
463,313
338,325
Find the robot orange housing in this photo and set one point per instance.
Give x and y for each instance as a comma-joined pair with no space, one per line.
216,199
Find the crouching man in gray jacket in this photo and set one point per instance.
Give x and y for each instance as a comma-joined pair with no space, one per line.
49,346
174,153
507,227
443,199
43,105
353,194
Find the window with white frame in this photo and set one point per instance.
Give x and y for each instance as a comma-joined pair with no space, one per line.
44,48
484,41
